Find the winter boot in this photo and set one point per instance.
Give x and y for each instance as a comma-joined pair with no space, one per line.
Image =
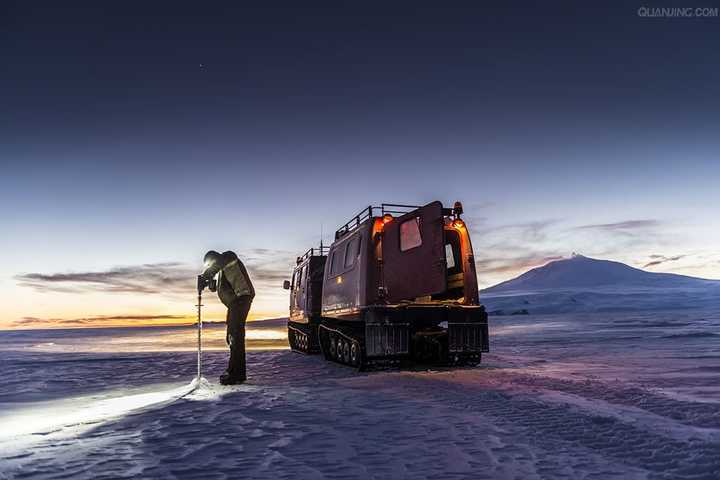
235,372
230,378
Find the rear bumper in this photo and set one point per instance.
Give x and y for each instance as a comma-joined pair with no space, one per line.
389,330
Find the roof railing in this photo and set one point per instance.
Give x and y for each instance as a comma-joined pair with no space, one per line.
392,208
369,212
320,251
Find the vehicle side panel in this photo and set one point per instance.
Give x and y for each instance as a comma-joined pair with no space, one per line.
345,275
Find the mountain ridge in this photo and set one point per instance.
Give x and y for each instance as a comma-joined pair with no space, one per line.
580,272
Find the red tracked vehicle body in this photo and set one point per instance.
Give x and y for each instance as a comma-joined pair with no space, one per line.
398,283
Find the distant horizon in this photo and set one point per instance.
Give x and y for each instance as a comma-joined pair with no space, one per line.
152,325
192,321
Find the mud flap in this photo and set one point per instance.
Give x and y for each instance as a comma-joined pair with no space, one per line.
383,340
468,331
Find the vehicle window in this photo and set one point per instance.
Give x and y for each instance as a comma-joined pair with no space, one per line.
299,278
453,255
351,251
333,263
449,256
337,262
410,234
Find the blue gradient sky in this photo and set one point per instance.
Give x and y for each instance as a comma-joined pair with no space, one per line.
142,134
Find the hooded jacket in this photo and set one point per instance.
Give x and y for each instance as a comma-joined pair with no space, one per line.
233,279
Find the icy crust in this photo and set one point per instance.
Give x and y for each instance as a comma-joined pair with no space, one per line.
559,397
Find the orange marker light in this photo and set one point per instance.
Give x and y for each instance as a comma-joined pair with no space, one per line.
457,223
339,279
387,218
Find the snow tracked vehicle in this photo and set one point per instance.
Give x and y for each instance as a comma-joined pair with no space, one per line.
397,284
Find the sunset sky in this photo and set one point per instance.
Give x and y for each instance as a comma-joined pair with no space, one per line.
135,136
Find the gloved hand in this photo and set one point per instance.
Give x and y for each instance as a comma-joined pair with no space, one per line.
201,283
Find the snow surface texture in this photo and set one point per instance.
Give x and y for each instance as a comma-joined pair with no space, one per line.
563,396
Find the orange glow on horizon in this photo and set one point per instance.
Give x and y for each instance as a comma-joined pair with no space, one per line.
100,321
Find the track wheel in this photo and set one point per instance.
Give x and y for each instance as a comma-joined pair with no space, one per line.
333,346
355,353
339,349
346,352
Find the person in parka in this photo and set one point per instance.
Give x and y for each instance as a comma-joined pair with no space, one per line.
236,292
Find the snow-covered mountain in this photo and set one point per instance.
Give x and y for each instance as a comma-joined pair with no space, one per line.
586,284
583,272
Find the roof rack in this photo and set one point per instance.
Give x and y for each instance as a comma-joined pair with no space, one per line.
369,212
320,251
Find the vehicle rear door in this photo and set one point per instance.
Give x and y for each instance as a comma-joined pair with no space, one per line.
413,251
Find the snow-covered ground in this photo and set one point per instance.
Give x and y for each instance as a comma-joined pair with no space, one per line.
563,396
602,299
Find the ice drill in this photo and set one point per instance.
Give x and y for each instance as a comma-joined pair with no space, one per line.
201,286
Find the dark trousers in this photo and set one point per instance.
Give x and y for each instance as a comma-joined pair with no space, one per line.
236,315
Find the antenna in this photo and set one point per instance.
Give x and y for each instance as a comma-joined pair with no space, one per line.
321,237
